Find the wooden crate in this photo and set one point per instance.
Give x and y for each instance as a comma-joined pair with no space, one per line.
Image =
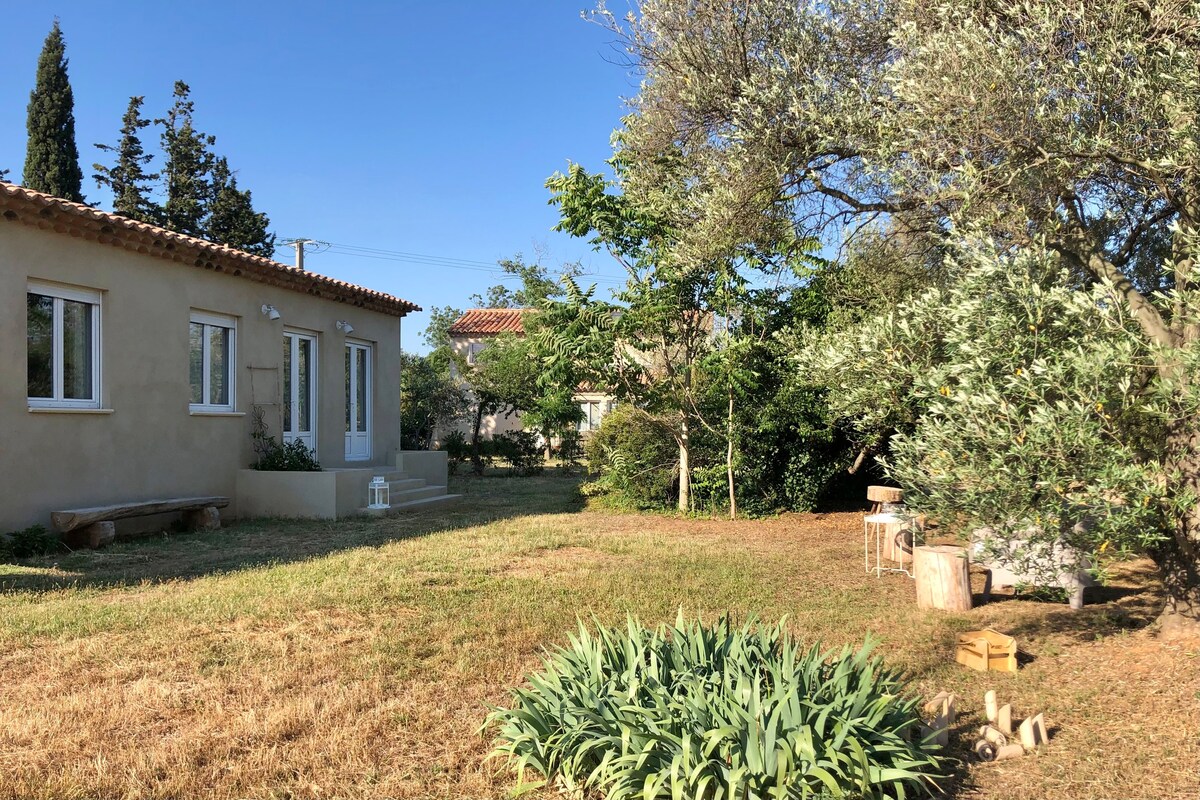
987,650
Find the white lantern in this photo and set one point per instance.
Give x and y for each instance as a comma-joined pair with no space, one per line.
378,493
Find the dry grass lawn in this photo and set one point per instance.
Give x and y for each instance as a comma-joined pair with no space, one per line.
305,659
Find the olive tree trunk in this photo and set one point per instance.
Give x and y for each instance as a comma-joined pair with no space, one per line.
1178,557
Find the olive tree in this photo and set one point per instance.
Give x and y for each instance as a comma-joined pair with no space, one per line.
1013,401
1070,124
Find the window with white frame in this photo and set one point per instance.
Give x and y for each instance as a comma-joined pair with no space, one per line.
212,342
473,351
63,341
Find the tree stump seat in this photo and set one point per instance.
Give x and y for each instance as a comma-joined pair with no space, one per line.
96,526
878,495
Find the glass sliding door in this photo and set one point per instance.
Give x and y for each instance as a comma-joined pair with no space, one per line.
358,401
300,389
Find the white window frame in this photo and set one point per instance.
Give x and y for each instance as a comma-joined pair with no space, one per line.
293,337
473,351
368,401
210,320
59,293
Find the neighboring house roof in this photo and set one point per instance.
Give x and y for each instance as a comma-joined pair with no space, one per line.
75,219
490,322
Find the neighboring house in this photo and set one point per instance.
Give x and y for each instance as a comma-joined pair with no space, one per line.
134,361
473,331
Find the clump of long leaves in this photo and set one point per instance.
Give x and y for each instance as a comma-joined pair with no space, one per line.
720,712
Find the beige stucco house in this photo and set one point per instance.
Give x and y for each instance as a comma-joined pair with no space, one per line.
478,327
135,361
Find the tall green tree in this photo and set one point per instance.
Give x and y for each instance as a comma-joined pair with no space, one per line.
537,284
51,155
430,398
232,219
127,178
187,166
647,346
1068,126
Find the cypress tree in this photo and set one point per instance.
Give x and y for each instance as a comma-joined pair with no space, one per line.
51,156
232,219
127,178
186,168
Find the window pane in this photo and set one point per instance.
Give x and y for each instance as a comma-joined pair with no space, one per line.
304,388
40,338
287,384
362,389
218,365
349,386
196,361
77,350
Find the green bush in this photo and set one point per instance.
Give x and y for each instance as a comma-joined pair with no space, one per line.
32,541
634,458
520,449
293,456
570,448
715,712
457,449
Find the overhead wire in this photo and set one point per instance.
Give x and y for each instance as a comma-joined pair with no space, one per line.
425,259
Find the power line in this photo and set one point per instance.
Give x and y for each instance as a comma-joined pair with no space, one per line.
425,259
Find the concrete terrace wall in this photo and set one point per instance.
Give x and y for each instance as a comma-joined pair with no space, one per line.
146,444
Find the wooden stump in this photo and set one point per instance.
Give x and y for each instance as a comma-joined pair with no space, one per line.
878,495
943,577
94,536
203,519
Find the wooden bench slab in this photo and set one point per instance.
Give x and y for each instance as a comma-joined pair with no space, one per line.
65,521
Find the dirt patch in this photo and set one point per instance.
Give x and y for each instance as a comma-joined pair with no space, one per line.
558,562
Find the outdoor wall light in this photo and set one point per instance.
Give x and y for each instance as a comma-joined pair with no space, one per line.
270,312
344,327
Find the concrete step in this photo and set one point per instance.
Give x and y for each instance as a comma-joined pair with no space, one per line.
405,484
416,504
416,493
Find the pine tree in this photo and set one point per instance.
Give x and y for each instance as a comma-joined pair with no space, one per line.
126,178
232,219
187,167
51,156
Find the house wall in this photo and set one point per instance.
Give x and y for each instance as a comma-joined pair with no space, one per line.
145,443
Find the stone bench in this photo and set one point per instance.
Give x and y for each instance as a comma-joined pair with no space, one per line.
1018,561
95,527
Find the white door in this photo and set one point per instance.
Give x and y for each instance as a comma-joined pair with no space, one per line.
300,389
358,401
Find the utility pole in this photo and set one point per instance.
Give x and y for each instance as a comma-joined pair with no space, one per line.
299,245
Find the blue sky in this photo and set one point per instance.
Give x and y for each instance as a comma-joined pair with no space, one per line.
415,127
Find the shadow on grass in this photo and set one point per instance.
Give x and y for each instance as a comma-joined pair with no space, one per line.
1133,600
254,543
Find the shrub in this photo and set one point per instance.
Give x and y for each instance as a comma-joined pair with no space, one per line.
635,458
457,449
293,456
275,456
707,712
521,450
570,449
32,541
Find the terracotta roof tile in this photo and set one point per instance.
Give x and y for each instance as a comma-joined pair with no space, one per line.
490,322
63,216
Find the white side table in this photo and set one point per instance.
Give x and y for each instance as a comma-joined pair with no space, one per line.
887,525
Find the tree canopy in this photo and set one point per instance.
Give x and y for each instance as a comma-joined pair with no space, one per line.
1068,128
51,155
127,178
